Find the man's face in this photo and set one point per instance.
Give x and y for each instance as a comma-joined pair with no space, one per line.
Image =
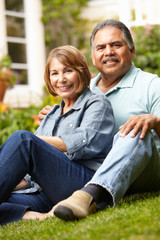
111,54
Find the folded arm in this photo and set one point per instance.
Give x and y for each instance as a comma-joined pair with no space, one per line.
56,142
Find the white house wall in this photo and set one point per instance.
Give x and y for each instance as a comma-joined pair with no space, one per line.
146,11
24,95
3,45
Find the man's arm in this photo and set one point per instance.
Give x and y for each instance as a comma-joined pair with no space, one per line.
142,123
43,113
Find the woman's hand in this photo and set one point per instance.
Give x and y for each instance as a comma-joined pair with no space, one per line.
22,185
43,113
142,123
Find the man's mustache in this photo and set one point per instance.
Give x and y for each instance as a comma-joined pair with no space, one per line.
114,59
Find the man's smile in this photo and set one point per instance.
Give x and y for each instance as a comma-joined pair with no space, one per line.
110,60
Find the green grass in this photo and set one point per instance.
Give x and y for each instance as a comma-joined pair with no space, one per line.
136,217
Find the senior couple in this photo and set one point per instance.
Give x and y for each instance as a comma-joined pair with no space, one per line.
131,164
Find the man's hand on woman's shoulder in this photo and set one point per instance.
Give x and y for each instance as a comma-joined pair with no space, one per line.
43,113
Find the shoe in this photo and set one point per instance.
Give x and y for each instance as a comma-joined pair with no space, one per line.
79,205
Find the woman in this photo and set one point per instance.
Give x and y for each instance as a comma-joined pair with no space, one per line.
66,149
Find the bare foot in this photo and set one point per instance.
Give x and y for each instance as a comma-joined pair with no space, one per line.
51,212
37,215
34,215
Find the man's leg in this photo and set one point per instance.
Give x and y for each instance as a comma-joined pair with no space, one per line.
130,159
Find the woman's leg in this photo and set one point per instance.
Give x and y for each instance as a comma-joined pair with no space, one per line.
37,201
11,212
25,153
18,205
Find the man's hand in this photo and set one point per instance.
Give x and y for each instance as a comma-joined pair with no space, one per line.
43,113
142,123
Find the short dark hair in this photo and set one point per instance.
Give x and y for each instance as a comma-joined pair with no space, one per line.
113,23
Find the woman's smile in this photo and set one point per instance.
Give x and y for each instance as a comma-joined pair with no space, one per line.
64,80
64,88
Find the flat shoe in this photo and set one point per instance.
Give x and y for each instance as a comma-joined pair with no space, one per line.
79,205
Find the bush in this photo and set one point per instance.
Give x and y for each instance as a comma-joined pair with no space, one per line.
146,41
15,119
12,120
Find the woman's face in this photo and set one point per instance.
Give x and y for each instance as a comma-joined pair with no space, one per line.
64,80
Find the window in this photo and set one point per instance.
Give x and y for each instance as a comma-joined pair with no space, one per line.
16,37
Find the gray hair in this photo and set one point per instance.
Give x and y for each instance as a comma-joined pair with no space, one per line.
113,23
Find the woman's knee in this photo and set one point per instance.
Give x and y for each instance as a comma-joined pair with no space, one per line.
21,135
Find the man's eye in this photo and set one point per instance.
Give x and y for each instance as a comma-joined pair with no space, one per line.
116,45
100,48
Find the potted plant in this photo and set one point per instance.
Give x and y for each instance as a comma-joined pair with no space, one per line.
7,76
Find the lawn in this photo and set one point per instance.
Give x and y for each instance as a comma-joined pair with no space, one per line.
136,217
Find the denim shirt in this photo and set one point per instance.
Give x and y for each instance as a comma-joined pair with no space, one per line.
87,128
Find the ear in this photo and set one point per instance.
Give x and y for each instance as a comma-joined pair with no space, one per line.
93,59
132,52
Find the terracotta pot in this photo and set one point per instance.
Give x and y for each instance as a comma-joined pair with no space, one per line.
3,88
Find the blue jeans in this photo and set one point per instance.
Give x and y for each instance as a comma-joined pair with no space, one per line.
57,175
132,165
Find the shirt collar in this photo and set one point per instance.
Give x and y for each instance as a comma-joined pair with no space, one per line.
126,82
80,101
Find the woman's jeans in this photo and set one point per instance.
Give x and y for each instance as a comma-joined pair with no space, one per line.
24,153
132,165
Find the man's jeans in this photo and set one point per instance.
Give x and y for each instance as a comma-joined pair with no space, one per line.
24,153
132,165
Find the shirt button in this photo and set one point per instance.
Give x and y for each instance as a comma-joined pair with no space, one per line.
71,125
84,140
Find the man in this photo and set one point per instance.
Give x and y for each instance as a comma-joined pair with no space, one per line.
133,164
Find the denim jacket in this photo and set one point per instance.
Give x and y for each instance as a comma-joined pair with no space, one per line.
87,128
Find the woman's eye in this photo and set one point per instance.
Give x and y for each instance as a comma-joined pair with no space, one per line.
53,73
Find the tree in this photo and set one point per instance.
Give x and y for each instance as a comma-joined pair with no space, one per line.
146,40
63,23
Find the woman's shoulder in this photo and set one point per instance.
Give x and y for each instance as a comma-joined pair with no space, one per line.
100,101
99,97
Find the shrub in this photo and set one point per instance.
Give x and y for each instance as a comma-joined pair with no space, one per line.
12,120
147,48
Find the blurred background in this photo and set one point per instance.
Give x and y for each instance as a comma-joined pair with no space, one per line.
30,29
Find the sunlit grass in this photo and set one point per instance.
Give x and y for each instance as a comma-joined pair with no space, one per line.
136,217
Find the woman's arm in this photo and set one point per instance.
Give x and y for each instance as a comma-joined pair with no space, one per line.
91,134
22,185
56,142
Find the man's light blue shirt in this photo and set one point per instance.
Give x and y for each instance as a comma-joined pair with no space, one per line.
137,93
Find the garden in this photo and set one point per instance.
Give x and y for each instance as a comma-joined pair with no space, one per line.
136,217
